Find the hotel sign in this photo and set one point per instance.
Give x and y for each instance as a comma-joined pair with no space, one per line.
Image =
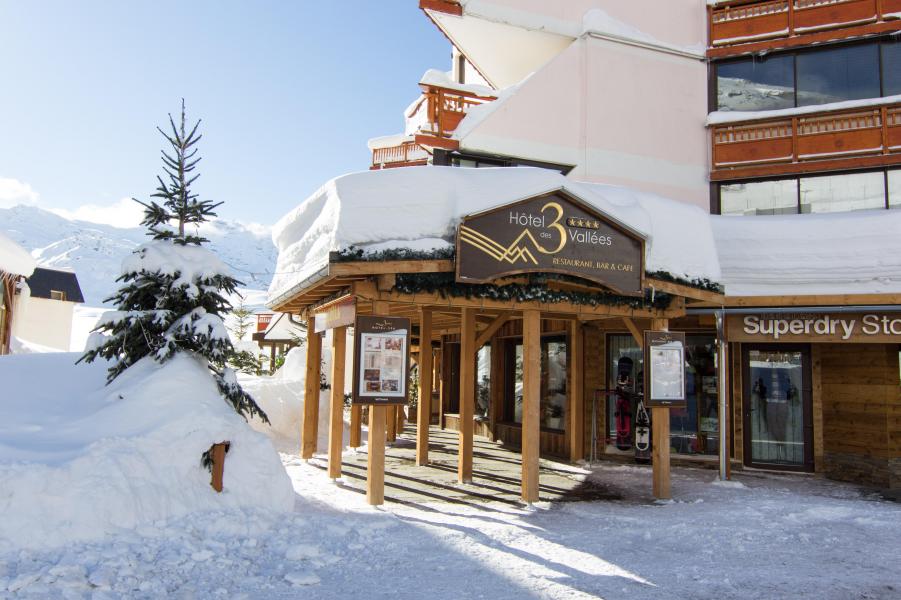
550,234
860,328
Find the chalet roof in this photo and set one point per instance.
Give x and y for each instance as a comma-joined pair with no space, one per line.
43,281
280,329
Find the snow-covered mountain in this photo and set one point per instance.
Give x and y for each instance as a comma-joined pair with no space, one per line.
95,251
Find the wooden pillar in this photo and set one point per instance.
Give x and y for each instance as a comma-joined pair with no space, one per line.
310,428
467,393
375,461
531,399
356,425
336,410
424,408
391,422
660,455
575,410
375,464
442,373
401,419
271,358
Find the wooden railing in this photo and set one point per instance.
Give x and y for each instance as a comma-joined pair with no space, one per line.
745,21
446,108
830,135
405,155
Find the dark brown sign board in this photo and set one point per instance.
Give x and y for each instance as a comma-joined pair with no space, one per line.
381,360
800,327
664,369
552,233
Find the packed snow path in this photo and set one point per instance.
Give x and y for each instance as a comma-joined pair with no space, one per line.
764,536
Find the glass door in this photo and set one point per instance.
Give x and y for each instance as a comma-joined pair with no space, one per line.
777,407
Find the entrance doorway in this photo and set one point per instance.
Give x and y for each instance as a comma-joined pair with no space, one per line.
777,404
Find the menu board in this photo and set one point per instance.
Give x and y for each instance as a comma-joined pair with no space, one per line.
665,372
382,365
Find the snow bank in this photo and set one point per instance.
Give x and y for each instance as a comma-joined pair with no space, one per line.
837,253
14,258
81,460
401,208
443,79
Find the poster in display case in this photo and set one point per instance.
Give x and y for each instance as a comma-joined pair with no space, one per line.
665,369
382,360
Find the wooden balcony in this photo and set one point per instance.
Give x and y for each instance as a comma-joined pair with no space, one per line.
753,25
407,154
828,140
444,109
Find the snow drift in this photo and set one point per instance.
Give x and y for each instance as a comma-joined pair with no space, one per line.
14,258
81,460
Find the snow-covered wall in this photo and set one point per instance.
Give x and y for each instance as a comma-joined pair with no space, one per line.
44,322
420,207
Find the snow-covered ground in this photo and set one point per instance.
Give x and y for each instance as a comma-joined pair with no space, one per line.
764,537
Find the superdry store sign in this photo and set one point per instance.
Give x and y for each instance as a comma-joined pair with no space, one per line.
550,234
861,328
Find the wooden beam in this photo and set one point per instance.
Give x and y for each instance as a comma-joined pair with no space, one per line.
492,328
424,408
808,166
391,422
467,394
686,291
310,427
375,464
336,412
531,399
634,330
764,302
576,409
375,267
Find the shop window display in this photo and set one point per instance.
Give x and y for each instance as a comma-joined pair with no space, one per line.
694,429
483,381
553,383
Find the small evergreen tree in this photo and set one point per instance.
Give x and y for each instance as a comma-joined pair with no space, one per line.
174,292
243,321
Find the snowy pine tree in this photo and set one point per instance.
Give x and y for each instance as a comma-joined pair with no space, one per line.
174,291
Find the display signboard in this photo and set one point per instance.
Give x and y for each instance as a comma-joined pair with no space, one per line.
338,314
800,327
382,360
664,369
553,233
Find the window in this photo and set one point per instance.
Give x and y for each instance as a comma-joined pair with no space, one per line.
838,74
778,197
877,189
57,295
810,77
894,188
621,348
891,68
756,84
843,193
552,411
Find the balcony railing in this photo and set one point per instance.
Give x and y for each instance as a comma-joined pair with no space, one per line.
745,21
445,109
830,135
407,154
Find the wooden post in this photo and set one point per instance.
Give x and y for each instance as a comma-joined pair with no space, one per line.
424,408
660,456
391,422
310,428
217,469
441,385
356,425
401,419
576,410
531,399
375,460
336,411
467,393
375,465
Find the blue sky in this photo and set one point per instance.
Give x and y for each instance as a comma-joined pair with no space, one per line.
289,92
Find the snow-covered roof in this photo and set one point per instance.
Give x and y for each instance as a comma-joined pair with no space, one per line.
420,207
443,79
14,258
836,253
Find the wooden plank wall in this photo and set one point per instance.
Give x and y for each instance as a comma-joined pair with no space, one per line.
553,444
861,412
738,423
595,379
